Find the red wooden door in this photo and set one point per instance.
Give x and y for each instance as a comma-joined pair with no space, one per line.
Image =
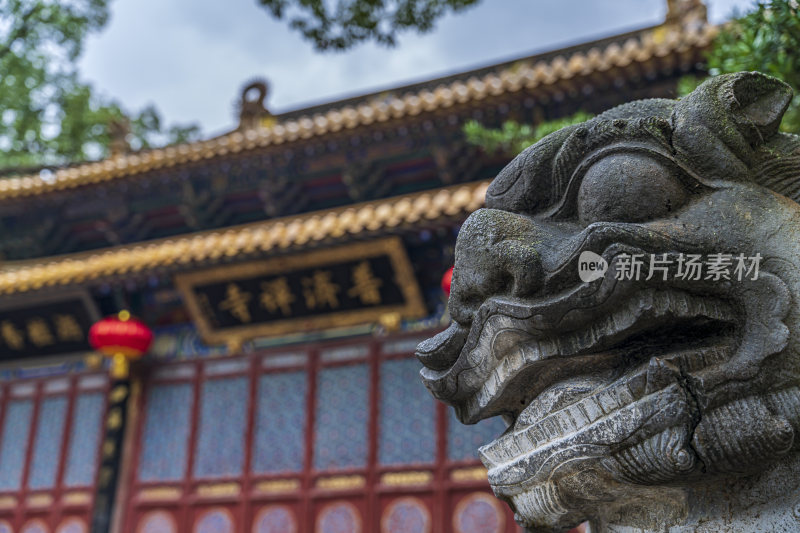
50,433
324,438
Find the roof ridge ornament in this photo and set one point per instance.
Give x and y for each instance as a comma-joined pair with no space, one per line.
252,112
119,132
686,14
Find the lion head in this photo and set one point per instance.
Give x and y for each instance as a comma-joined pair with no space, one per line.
675,360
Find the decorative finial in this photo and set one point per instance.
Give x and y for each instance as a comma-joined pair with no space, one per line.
119,129
686,13
252,113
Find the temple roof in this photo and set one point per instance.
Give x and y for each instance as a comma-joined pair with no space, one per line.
542,71
387,162
274,236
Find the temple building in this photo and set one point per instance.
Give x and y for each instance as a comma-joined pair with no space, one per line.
287,270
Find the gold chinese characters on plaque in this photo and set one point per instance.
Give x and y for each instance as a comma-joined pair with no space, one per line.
46,325
336,287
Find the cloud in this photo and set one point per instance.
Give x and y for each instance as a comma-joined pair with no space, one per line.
191,57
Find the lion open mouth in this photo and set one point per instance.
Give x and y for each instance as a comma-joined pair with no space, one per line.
573,386
613,374
510,356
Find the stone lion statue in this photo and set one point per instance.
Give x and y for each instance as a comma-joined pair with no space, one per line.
662,388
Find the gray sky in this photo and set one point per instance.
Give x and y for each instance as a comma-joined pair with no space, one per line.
191,57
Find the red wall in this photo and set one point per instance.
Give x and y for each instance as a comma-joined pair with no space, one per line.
439,495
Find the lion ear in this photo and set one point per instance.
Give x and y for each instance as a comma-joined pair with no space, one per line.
762,100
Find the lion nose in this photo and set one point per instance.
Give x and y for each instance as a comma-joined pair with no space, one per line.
496,255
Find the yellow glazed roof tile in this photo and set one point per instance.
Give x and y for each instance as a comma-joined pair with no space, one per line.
277,234
651,44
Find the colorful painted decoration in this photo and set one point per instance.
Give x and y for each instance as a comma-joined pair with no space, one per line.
339,517
35,526
157,522
406,515
478,513
182,342
275,519
215,521
76,525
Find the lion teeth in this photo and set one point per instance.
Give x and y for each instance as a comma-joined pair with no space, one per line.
503,346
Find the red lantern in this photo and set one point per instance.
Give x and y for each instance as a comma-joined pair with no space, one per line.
122,338
447,280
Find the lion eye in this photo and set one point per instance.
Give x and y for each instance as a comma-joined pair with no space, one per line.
629,188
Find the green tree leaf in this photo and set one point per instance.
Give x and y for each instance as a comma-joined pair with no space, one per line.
513,137
343,24
766,39
48,116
